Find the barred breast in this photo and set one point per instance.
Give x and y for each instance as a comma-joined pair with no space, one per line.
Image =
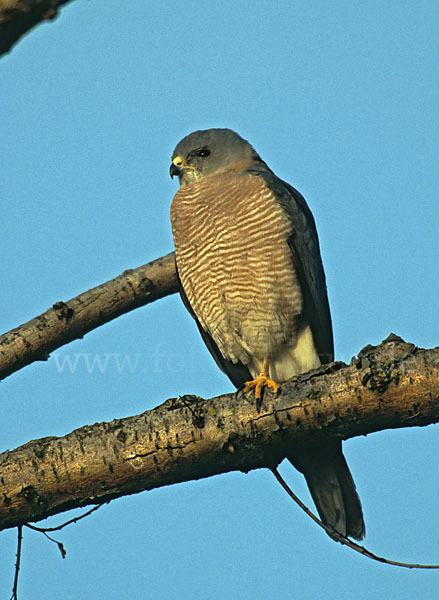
236,269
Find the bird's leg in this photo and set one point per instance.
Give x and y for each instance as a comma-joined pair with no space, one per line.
261,381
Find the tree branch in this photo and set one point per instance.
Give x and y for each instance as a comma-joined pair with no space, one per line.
335,535
387,386
17,17
68,321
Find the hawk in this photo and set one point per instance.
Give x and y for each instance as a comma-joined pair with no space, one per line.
251,275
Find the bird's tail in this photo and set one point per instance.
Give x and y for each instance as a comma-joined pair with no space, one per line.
332,487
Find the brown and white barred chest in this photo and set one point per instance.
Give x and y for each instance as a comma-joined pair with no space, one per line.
235,265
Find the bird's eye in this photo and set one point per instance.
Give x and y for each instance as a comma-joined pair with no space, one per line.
203,152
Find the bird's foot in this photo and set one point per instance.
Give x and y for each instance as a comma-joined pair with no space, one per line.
262,381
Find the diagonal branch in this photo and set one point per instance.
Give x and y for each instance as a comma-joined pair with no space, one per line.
71,320
17,17
387,386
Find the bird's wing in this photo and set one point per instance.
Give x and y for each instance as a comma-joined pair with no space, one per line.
304,244
238,373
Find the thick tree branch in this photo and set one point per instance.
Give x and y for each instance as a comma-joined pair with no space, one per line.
388,386
17,17
67,321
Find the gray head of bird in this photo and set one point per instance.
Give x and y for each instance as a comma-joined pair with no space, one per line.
208,151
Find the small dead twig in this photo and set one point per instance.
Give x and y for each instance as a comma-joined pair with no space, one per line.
58,527
60,545
17,564
342,539
44,531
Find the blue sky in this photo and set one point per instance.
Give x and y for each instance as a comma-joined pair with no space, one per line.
341,99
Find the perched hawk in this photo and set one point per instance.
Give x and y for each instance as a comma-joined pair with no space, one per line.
250,272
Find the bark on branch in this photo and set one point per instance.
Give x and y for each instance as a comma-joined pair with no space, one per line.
387,386
17,17
71,320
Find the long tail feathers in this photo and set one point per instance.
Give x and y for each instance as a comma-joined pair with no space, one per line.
331,486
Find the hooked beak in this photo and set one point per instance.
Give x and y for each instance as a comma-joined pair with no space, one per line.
176,167
174,170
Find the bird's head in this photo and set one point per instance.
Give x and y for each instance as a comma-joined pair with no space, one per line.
205,152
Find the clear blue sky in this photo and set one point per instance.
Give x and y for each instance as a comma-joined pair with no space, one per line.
341,99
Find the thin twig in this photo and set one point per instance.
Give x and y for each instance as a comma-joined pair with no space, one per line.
60,545
17,564
74,520
342,539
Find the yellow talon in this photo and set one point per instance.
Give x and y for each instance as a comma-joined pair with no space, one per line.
261,381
